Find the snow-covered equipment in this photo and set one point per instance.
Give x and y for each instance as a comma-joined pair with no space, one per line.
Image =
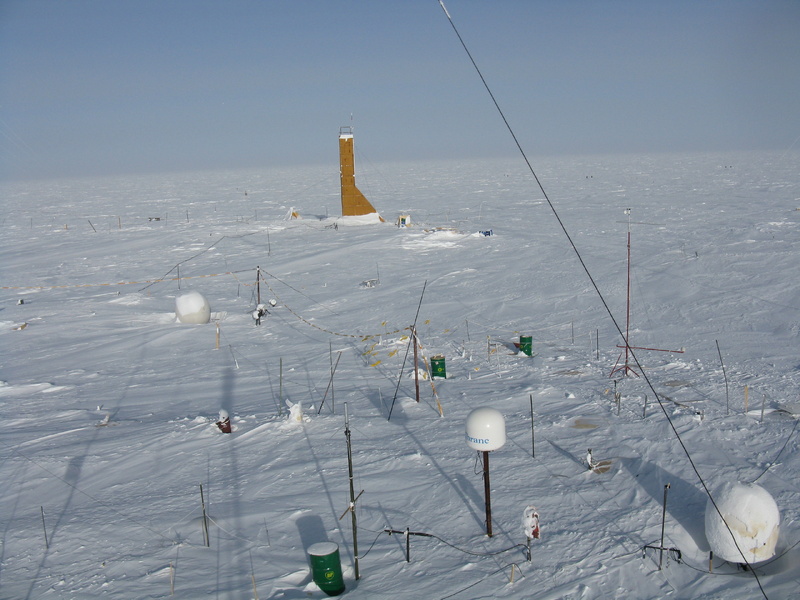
589,459
486,233
486,431
224,422
295,412
326,567
192,307
530,523
752,517
259,312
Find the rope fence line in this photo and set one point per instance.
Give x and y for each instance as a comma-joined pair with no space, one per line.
86,285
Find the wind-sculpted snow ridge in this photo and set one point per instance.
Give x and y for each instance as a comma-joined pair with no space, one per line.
111,405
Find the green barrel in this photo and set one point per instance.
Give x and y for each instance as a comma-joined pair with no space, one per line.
326,567
438,368
526,344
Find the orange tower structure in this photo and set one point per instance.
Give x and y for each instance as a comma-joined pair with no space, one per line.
354,203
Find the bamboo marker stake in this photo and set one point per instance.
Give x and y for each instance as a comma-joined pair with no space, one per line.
217,347
746,397
512,572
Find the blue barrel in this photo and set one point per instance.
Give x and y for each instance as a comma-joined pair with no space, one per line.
326,567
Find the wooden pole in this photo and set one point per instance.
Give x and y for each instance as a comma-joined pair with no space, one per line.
258,285
487,490
746,398
280,388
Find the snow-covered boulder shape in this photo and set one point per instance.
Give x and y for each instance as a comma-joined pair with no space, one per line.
751,514
192,307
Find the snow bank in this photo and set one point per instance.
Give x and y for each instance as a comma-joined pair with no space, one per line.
192,307
751,514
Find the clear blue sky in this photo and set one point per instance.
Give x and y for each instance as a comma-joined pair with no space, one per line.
93,87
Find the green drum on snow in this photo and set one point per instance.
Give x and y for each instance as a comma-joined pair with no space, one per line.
438,368
526,344
326,567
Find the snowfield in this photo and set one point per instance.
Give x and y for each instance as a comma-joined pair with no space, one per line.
109,403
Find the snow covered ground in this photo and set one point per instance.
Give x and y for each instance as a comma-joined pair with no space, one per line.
109,405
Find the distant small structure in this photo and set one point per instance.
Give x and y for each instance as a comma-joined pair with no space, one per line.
404,221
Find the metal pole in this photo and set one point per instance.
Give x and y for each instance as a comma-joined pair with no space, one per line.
628,303
416,367
44,528
352,490
205,518
487,493
533,438
725,375
663,519
258,285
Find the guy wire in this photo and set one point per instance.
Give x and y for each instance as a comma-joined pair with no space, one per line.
597,289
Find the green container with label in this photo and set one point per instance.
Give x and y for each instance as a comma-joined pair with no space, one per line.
438,367
526,344
326,567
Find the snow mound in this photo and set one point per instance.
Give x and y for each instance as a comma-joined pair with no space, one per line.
192,307
752,516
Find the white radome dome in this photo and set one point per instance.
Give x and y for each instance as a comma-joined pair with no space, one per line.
192,307
752,516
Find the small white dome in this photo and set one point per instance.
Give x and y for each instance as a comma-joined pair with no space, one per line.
192,307
486,429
